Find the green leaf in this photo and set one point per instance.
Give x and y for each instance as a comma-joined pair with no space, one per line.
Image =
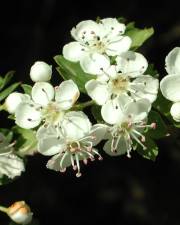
162,105
152,71
26,143
161,128
70,70
96,112
152,150
6,79
27,88
8,91
138,36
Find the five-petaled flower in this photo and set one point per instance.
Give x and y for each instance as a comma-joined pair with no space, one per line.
126,77
95,42
46,103
70,143
126,125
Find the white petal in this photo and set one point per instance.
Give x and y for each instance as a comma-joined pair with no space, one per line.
170,87
118,45
138,110
11,165
56,163
46,132
120,150
85,31
98,91
75,125
109,73
98,131
175,111
173,61
132,63
112,112
145,86
95,63
51,145
42,93
67,94
13,101
112,27
40,71
27,116
73,51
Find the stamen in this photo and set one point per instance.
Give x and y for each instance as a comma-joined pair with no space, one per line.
97,153
78,174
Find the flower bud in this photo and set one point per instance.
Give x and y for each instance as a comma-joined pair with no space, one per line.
20,213
13,101
40,71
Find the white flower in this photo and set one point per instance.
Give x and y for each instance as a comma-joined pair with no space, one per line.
40,71
20,213
13,101
124,78
48,104
170,84
127,121
94,42
10,164
70,143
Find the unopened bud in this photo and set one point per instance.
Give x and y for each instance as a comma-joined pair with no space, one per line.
20,213
40,72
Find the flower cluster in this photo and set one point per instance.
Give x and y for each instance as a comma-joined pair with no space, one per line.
121,87
102,63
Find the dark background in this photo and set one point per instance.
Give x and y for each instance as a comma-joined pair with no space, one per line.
117,191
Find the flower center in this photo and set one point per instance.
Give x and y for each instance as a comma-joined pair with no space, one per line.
129,131
97,45
52,113
119,85
77,151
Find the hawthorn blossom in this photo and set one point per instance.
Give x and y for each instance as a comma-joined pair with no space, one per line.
70,143
10,164
46,104
126,77
170,84
126,125
94,42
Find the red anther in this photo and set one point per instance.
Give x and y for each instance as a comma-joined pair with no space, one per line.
85,161
74,167
100,158
153,125
143,139
62,170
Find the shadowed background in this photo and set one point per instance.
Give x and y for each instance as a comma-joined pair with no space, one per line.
119,190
